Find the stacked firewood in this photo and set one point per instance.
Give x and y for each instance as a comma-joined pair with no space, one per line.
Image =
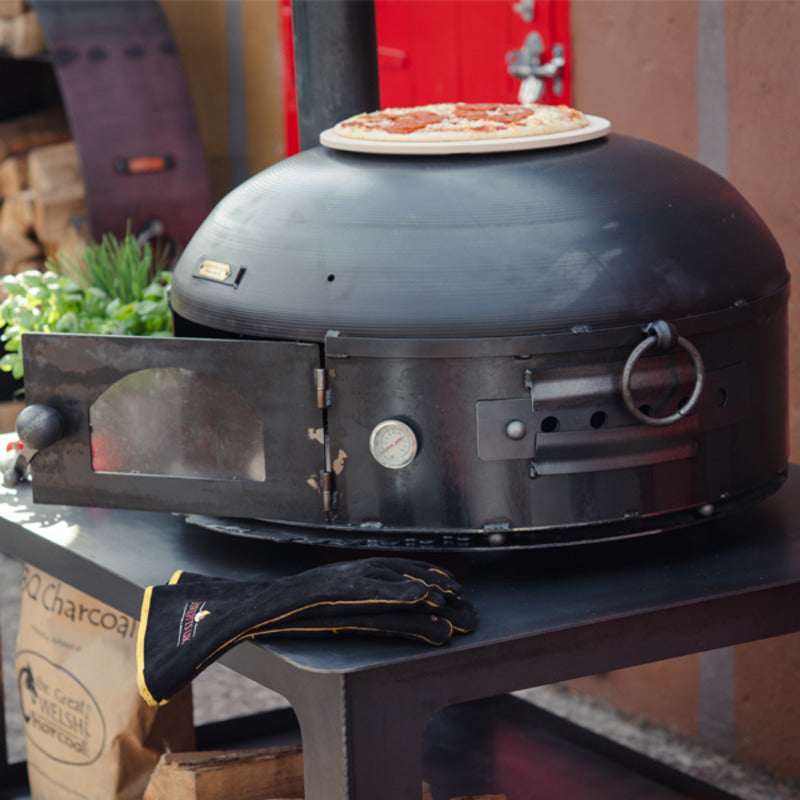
20,32
42,196
241,774
42,206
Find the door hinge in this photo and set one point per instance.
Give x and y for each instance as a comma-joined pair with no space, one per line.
322,388
330,497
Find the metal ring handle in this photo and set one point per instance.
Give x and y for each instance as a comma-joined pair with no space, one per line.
687,407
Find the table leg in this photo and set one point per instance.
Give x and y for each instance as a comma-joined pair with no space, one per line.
322,728
359,744
386,729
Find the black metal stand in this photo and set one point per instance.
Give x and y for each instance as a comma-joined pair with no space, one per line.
545,616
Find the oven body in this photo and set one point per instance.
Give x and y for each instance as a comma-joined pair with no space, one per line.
568,344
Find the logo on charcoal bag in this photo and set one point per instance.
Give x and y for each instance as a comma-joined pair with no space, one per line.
62,718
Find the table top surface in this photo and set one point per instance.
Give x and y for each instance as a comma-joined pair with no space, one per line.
114,554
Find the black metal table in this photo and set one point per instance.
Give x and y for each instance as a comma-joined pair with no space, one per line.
545,616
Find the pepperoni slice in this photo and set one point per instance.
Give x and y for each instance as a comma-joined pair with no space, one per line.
478,106
474,110
491,112
364,121
406,123
470,113
510,114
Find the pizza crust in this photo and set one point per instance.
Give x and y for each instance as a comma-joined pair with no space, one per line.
445,122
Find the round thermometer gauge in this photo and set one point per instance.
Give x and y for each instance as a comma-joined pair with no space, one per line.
393,444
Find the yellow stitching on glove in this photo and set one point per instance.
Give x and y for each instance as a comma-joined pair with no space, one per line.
431,585
338,628
254,630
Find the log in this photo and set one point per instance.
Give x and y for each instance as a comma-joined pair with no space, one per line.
17,214
52,212
275,772
22,35
481,797
35,263
75,241
19,135
5,34
16,250
12,8
13,175
54,167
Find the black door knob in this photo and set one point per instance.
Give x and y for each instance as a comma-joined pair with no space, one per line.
39,426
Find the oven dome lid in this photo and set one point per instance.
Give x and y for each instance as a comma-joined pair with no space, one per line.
610,232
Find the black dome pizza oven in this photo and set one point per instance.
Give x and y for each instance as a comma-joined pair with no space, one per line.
499,349
447,350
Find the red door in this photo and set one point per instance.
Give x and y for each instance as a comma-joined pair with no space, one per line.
450,50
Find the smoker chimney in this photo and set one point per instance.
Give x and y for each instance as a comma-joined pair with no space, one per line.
336,63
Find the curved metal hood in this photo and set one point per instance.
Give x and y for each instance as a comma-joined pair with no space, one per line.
612,232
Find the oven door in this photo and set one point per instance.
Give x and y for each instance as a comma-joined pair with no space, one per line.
211,426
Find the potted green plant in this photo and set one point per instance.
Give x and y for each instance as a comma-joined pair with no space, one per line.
115,287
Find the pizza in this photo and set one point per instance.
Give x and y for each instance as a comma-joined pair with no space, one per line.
445,122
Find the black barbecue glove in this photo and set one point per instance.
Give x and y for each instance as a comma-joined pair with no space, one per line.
189,623
432,626
456,616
